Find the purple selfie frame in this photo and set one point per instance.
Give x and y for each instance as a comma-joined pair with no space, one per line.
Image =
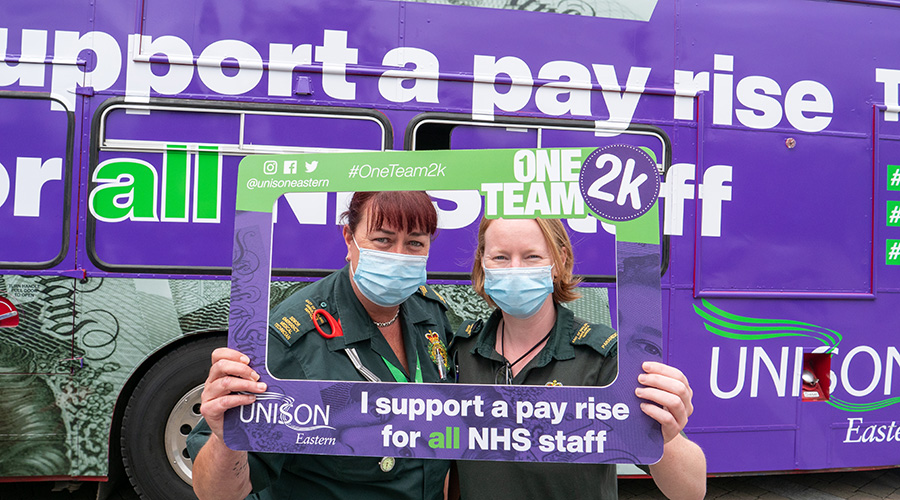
339,418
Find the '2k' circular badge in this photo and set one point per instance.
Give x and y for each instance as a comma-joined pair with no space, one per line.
619,182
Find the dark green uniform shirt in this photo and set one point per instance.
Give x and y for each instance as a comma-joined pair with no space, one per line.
576,354
297,351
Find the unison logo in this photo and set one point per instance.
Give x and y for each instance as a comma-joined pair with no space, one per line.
278,409
876,373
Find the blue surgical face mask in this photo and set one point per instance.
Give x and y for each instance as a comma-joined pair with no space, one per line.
388,278
519,291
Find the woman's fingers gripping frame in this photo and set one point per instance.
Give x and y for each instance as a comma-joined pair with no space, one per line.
229,376
668,388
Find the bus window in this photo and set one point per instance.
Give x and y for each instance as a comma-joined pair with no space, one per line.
126,125
35,174
315,133
465,134
594,247
475,137
162,204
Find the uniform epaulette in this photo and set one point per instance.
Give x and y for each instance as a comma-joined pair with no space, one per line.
432,294
289,324
469,328
600,337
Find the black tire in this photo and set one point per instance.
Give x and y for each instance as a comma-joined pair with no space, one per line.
169,389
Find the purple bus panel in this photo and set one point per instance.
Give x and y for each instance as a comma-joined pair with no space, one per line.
887,207
821,240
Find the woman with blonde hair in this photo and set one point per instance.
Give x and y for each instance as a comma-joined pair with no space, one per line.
524,267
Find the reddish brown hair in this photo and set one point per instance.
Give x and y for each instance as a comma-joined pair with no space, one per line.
408,211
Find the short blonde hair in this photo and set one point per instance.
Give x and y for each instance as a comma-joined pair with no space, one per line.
564,284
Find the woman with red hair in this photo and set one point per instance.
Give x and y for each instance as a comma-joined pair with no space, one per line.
389,318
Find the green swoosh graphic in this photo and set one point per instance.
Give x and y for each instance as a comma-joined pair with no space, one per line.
733,326
854,407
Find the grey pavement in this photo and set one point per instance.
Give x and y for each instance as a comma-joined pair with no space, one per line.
850,485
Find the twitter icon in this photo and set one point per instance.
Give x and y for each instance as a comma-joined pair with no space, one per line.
311,165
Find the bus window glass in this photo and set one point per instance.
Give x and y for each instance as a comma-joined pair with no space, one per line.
33,177
313,132
593,243
480,137
173,126
173,213
554,138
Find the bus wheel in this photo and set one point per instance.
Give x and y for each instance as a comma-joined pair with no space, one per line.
162,410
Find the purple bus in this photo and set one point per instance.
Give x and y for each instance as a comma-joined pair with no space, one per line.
776,125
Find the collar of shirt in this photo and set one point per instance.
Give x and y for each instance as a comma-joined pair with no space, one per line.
558,346
355,321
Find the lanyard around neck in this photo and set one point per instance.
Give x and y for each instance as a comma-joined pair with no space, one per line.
398,374
535,346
